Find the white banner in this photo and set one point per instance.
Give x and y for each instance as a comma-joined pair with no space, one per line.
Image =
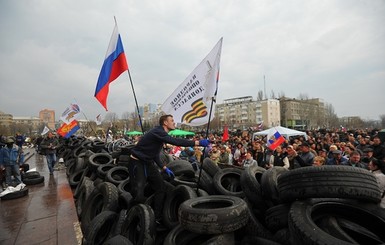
45,130
71,113
191,101
98,119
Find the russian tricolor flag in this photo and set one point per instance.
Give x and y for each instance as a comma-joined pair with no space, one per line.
114,64
275,140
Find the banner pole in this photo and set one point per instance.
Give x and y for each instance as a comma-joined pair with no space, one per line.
204,149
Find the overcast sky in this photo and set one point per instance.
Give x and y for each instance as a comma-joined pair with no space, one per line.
51,51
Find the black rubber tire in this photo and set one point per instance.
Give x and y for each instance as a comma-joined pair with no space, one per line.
122,216
76,193
75,178
172,202
182,168
254,226
210,167
181,181
206,183
252,240
124,186
329,182
269,185
103,169
118,240
31,174
125,200
85,191
304,218
117,175
17,194
103,198
227,182
276,217
181,236
97,159
139,227
213,214
33,181
100,227
250,182
70,167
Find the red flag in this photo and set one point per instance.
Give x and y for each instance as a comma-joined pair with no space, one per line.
225,136
66,130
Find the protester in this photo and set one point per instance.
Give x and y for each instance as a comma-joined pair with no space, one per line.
9,160
367,155
49,146
378,148
377,167
279,158
214,154
249,160
144,156
337,158
355,160
318,161
224,155
19,140
306,156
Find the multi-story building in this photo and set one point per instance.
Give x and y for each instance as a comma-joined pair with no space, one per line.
48,118
302,113
32,122
244,112
5,119
271,112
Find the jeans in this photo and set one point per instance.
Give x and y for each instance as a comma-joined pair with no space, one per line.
51,160
12,170
140,173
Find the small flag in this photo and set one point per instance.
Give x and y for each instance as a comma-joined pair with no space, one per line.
98,119
71,113
45,130
225,136
115,63
275,140
260,125
66,130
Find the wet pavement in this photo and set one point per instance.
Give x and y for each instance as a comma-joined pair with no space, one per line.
47,215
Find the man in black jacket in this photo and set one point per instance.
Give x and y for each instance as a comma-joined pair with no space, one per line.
145,153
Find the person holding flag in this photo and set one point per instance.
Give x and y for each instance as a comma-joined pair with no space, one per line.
147,151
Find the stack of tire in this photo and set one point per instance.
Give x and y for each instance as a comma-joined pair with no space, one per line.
312,205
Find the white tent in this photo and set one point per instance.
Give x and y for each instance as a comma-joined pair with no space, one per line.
285,132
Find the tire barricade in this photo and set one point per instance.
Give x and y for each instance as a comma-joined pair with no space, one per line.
310,205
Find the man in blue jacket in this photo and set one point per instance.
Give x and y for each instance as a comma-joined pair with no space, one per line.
9,159
145,163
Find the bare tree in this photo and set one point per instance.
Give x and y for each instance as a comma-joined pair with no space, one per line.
331,119
111,117
272,94
382,121
281,94
260,95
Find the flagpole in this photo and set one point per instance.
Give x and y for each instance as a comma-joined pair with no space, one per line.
86,118
136,101
204,148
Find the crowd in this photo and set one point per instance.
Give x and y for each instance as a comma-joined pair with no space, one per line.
360,148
